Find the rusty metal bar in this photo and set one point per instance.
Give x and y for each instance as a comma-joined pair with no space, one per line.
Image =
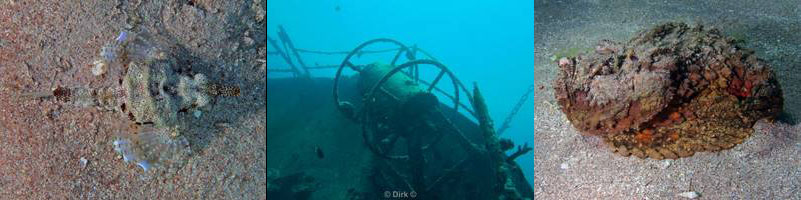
448,174
468,109
284,55
436,80
345,52
288,43
397,55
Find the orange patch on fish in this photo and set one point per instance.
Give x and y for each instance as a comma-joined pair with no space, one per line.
675,116
674,135
645,137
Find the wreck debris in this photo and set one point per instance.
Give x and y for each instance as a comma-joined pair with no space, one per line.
669,92
403,122
520,103
295,186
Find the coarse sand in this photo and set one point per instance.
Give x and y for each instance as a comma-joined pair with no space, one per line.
50,150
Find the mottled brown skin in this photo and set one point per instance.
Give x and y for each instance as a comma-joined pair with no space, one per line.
669,92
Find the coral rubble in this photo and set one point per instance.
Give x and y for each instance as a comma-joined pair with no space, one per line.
669,92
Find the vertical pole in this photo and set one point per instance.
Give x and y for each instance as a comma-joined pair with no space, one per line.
492,143
411,55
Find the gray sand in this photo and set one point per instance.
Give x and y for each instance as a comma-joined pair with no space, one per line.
571,166
51,150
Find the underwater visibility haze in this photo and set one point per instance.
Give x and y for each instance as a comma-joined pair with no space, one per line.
346,145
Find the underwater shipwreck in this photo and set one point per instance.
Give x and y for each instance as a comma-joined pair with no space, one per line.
378,129
669,92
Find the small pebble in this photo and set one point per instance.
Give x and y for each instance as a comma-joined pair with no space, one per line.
666,164
563,166
100,67
84,162
690,195
197,113
234,46
248,41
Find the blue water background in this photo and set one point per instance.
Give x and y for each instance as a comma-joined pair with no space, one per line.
488,42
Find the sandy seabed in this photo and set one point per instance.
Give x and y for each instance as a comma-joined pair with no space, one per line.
49,150
570,166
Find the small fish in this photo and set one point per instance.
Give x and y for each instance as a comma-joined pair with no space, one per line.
319,152
337,8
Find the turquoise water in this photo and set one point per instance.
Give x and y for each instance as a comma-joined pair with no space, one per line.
490,43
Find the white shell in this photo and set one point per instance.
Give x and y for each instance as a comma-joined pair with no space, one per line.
564,166
690,195
99,67
83,162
